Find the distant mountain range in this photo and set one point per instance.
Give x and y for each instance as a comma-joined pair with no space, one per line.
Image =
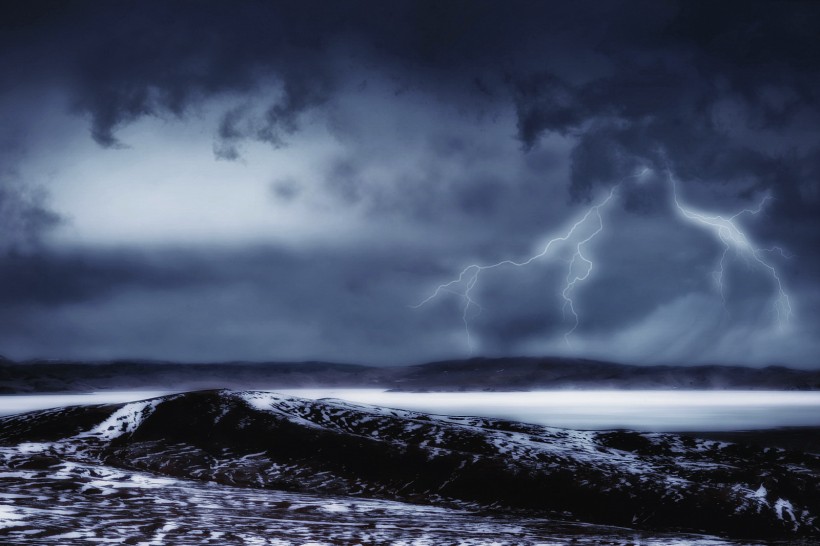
267,441
475,374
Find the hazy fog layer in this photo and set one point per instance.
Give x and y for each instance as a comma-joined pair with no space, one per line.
589,410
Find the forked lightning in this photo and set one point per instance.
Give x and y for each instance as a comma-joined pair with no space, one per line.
725,229
468,278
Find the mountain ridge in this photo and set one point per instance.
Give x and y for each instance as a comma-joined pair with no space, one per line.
475,374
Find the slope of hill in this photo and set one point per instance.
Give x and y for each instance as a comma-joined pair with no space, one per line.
262,440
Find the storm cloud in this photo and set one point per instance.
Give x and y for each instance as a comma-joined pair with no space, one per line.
288,180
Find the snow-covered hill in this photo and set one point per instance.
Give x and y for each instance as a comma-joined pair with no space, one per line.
330,447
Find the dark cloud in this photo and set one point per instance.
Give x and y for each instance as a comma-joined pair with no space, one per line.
280,119
24,212
254,302
127,60
47,279
664,90
545,103
286,190
24,217
418,97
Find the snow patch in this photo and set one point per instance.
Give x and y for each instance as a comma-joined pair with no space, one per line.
783,507
334,507
123,421
9,516
33,447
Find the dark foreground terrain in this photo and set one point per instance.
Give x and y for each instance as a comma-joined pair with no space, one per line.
73,503
222,467
475,374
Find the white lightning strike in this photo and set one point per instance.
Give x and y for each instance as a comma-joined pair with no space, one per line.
468,277
733,236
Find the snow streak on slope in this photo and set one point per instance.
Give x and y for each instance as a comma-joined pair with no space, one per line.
123,421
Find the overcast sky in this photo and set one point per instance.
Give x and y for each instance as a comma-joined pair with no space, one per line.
206,181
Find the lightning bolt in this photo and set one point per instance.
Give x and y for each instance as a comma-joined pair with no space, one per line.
725,229
732,236
578,270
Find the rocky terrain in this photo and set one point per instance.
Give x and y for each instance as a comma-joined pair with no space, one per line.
374,471
476,374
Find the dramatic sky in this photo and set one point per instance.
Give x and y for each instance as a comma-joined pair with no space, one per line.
283,180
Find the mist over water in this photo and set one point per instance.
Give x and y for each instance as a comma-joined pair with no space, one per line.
12,404
666,411
598,410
